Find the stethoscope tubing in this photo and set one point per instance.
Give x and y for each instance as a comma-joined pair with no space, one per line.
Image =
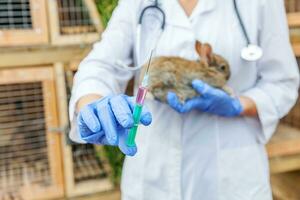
155,6
138,36
238,14
163,23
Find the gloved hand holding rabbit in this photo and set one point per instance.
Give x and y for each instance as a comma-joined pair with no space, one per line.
187,85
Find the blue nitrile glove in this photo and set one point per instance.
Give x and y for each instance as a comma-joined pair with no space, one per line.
210,100
108,120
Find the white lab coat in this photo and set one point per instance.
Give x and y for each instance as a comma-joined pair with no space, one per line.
197,156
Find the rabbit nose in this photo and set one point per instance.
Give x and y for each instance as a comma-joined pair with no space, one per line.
228,76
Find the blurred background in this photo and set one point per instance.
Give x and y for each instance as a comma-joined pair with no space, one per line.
41,45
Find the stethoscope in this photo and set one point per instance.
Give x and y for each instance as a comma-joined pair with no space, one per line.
251,52
138,49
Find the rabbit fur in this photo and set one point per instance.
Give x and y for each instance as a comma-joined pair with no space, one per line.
176,74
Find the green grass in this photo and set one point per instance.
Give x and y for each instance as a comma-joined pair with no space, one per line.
113,154
105,8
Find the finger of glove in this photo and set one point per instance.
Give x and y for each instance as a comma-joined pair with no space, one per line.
129,151
88,123
98,138
122,111
82,128
108,121
206,90
194,103
234,109
146,117
174,102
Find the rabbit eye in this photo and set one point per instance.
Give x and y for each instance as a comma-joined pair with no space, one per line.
223,67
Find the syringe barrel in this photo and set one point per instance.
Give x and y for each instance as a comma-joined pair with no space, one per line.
136,117
141,95
140,98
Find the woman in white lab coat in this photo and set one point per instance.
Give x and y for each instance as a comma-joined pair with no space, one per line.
195,155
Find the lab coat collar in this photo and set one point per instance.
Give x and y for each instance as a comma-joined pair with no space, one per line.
204,6
175,14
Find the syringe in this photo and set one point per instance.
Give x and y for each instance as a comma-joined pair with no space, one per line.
138,108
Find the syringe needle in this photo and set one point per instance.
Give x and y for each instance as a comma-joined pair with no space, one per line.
149,62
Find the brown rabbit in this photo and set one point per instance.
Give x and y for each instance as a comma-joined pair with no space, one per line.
176,74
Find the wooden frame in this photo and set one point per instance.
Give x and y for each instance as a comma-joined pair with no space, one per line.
284,164
292,9
286,141
284,149
286,186
73,189
58,39
296,48
35,36
41,55
45,75
293,19
294,22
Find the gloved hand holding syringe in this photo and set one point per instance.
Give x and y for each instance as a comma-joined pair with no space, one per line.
110,120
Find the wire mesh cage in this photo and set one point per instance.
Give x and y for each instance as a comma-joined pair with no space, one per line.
15,14
74,21
74,18
23,22
293,118
86,171
30,163
292,6
293,13
87,166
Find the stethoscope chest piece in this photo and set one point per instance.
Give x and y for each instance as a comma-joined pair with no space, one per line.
251,53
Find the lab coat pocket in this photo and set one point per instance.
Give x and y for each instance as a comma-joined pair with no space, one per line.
243,175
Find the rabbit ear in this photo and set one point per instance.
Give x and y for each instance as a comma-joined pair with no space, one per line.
198,47
204,51
207,52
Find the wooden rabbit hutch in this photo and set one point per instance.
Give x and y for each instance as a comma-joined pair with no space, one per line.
38,38
284,147
30,166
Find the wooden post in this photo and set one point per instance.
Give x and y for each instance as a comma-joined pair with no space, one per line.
64,122
73,189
